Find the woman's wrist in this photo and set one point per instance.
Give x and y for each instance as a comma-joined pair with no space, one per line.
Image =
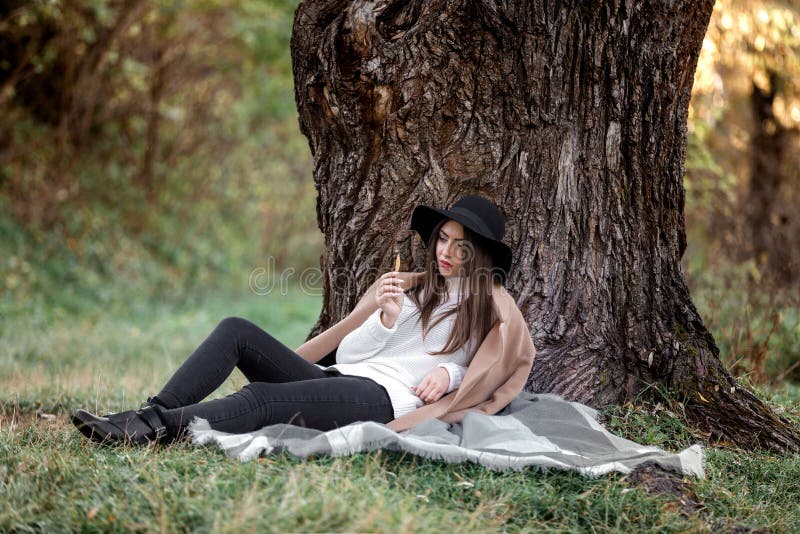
387,321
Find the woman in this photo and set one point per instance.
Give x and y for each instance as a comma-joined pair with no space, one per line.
401,355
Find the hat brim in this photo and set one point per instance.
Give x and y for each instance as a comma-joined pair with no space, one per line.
425,218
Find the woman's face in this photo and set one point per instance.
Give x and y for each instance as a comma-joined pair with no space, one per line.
450,248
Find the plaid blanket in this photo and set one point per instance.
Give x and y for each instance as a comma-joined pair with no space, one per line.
534,430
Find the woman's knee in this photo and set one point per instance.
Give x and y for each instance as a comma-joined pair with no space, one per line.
245,329
236,324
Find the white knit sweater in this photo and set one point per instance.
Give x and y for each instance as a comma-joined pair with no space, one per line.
396,357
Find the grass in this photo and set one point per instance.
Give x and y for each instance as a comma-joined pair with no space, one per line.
52,479
113,359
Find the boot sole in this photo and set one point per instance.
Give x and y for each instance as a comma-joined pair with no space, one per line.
91,426
86,424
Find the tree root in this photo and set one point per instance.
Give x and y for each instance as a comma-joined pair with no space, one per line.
716,404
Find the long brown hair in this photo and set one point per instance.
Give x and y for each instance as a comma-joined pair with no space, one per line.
475,314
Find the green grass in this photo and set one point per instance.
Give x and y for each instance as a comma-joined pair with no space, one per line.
52,479
111,359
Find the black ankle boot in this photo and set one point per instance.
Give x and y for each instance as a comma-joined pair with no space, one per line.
153,401
142,426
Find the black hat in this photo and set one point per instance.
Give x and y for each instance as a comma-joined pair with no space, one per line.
478,214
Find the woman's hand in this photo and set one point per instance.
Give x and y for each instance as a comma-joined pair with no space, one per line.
389,297
433,385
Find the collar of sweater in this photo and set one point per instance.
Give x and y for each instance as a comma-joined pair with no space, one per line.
454,283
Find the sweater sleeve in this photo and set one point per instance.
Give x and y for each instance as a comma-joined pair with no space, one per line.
365,341
456,373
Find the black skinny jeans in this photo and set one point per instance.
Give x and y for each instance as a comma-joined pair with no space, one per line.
283,388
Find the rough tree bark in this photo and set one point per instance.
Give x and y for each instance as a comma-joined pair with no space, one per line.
572,117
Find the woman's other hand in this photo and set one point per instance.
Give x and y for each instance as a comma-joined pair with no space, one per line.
389,297
433,385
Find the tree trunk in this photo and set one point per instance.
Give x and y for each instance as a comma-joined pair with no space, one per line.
773,239
572,117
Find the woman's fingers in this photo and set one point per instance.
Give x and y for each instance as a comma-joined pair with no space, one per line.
392,278
427,390
431,396
424,394
391,285
396,283
389,295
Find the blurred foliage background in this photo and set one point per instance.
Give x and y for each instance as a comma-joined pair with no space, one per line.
150,151
743,186
147,146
